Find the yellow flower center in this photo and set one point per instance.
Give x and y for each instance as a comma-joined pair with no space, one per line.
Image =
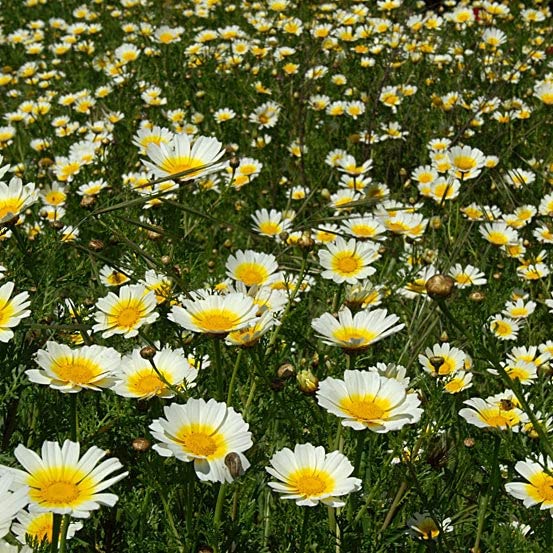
541,487
310,484
217,321
10,207
269,227
366,408
428,530
354,337
178,164
147,383
202,441
55,198
116,278
77,370
364,231
517,372
347,263
251,273
498,238
61,486
464,163
463,279
499,418
128,316
454,385
166,37
501,328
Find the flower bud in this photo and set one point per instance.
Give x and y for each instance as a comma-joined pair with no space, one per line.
477,296
96,245
148,352
440,286
308,383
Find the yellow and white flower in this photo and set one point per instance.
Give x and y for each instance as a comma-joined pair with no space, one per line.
71,370
251,334
252,268
15,198
156,135
199,157
113,277
488,413
12,310
38,527
442,360
270,223
159,284
205,432
538,488
60,482
215,314
424,527
364,399
13,498
348,261
137,378
311,476
125,313
466,162
457,382
356,332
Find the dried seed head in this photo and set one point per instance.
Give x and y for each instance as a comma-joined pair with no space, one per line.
165,259
152,235
88,202
469,442
148,352
440,286
234,464
96,245
477,296
286,371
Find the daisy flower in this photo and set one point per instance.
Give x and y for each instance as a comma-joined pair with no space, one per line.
487,413
442,360
538,488
504,328
156,135
309,475
12,499
356,332
364,399
252,268
270,223
198,157
72,370
466,162
136,377
364,228
498,233
519,309
205,432
60,482
113,277
348,261
12,310
525,371
39,527
15,198
251,334
424,527
125,313
393,371
458,382
467,276
215,314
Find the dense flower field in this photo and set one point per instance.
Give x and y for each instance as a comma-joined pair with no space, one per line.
276,276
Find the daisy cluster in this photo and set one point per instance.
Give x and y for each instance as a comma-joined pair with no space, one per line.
275,247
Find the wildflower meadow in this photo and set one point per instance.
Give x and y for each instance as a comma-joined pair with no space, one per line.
275,276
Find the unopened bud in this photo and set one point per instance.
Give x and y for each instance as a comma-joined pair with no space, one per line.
234,162
308,383
469,442
141,444
152,235
234,464
165,259
440,286
57,225
148,352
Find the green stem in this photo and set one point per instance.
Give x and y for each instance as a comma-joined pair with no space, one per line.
218,358
63,537
267,520
303,531
233,377
56,525
335,528
73,418
250,397
490,493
